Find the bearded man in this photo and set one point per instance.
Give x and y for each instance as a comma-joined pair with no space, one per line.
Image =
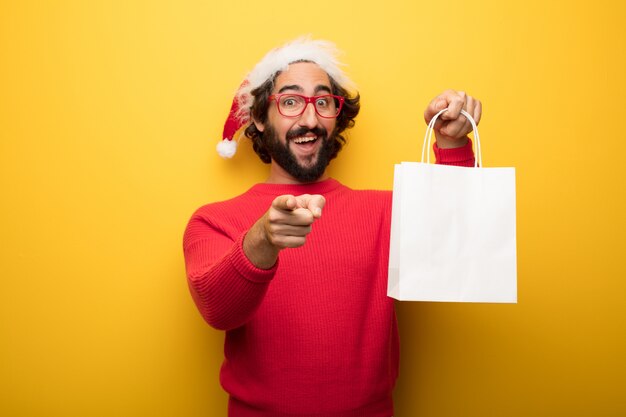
302,297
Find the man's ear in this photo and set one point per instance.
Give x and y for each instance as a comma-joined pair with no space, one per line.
259,126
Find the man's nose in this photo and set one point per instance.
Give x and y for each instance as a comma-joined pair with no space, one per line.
308,118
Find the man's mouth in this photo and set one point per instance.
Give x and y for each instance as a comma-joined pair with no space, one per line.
304,139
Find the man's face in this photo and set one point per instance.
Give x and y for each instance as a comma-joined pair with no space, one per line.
300,145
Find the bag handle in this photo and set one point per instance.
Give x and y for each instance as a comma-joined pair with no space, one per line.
429,133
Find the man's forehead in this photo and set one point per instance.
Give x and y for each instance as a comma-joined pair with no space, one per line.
302,76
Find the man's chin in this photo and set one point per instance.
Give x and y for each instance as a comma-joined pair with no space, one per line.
307,162
309,172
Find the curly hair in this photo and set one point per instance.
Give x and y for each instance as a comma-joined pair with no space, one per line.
260,106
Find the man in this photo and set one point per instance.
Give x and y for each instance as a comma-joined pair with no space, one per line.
295,269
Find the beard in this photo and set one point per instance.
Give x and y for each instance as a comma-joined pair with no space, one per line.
286,159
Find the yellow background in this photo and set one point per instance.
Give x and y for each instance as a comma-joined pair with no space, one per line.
109,116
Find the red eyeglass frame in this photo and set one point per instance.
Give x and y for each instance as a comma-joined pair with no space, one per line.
307,100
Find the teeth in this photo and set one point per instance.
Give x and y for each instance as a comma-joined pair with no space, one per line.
304,139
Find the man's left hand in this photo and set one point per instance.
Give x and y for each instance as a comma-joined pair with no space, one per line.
452,127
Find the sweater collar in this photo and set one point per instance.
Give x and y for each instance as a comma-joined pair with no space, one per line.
320,187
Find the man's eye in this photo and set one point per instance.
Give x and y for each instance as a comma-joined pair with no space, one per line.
322,102
290,102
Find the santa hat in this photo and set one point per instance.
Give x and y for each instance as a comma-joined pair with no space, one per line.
323,53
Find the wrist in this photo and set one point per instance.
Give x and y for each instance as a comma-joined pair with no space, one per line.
445,143
258,248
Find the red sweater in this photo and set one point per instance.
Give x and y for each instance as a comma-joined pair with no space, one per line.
316,335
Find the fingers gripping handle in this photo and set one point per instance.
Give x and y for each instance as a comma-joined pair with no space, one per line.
429,133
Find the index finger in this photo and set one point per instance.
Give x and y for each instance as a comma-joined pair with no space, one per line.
453,100
435,106
456,103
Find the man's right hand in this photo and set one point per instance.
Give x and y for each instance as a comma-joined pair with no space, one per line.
285,225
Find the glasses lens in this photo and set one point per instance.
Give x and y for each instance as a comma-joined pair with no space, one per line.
326,106
291,105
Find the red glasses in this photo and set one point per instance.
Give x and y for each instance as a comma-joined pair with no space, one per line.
293,105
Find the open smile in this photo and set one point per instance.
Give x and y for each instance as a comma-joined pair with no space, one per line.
304,139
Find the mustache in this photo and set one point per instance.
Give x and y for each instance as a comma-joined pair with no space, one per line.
318,131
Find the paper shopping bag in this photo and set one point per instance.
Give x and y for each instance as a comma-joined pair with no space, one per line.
453,234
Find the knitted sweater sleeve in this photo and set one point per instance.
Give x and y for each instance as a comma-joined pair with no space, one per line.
463,156
226,287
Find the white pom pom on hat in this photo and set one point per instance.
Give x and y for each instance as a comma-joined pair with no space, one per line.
323,53
227,148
